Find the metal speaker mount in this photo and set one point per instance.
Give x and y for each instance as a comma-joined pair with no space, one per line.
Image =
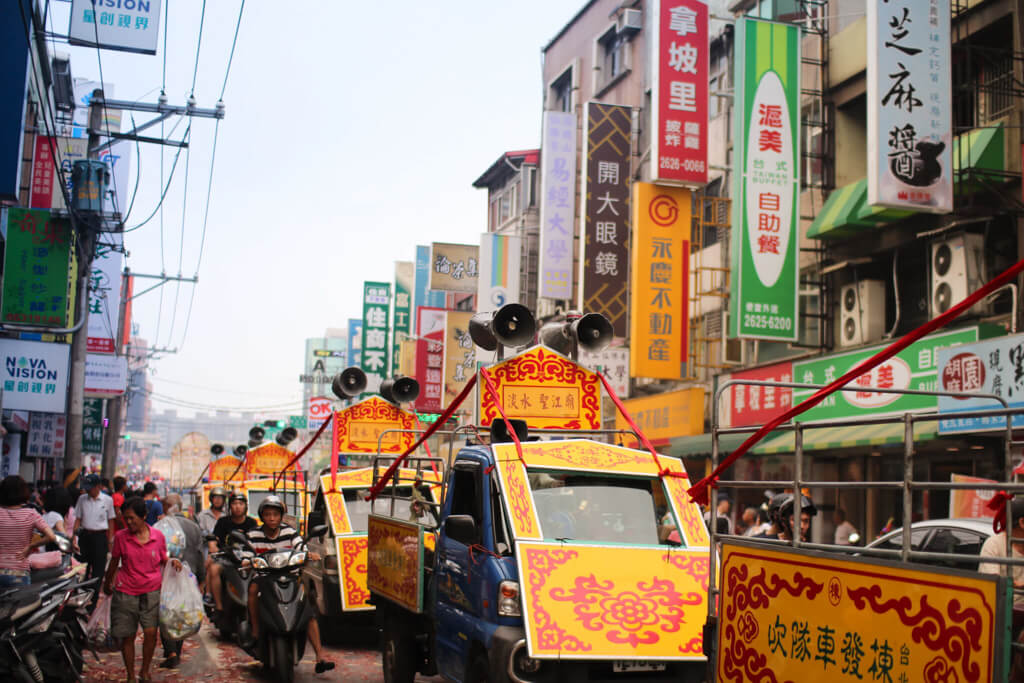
286,436
349,382
216,449
511,325
400,389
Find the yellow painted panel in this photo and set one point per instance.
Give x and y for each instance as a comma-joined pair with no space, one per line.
352,573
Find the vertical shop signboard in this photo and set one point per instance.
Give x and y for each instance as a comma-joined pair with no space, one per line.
499,271
425,296
659,299
37,269
459,354
763,300
355,341
376,314
92,425
430,328
909,91
105,295
679,62
405,272
557,204
604,220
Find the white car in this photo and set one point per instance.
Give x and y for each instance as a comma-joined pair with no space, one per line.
963,536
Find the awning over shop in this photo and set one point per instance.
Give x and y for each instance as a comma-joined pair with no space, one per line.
980,150
847,436
700,444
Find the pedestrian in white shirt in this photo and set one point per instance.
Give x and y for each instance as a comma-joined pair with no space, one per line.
844,530
94,525
995,546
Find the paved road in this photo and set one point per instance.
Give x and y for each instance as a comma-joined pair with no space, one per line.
204,657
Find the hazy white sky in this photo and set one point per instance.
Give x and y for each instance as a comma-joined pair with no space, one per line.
353,132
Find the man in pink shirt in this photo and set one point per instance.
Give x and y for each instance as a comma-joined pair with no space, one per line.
137,561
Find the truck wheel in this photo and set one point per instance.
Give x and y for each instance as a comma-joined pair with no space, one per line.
479,669
398,655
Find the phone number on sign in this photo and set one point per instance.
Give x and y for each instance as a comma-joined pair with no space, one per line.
767,322
675,164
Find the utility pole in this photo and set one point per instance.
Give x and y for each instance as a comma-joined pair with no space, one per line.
115,406
86,238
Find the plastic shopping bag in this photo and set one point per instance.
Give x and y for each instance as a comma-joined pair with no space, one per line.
97,630
173,534
181,604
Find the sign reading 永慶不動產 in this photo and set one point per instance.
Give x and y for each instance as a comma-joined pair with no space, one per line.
763,300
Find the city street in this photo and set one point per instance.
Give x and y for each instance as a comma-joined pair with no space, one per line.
207,658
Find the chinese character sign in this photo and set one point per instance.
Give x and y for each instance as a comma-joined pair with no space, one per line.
454,267
105,295
127,25
659,291
499,271
376,323
995,366
46,435
37,262
557,204
613,363
763,300
605,216
404,282
679,62
910,139
751,404
92,425
430,328
46,190
459,354
665,416
424,295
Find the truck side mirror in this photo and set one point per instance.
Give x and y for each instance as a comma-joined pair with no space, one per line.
316,518
461,528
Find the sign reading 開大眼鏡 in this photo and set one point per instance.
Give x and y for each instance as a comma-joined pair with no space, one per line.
763,301
910,141
557,204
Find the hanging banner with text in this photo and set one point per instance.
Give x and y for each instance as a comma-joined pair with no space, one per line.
105,295
38,285
557,204
454,267
910,120
405,274
659,287
763,301
604,220
679,98
459,355
374,347
430,358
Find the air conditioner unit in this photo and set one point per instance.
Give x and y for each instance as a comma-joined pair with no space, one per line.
861,313
957,269
630,22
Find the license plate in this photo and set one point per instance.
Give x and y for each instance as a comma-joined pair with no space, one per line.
629,665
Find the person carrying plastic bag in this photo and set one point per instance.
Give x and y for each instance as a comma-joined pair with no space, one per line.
97,631
136,560
181,604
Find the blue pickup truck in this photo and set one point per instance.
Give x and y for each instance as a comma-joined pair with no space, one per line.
568,560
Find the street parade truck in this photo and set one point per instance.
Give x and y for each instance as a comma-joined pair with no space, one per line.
543,560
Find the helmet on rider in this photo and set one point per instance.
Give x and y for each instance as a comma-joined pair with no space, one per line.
238,496
789,518
272,502
218,491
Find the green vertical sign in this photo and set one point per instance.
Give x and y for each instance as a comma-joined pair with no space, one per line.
376,323
92,425
37,264
763,301
405,276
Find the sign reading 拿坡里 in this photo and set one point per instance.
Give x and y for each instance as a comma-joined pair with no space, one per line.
604,220
753,404
763,301
659,299
38,261
35,375
376,317
994,366
430,330
127,25
454,267
915,367
405,273
679,64
909,102
557,204
797,615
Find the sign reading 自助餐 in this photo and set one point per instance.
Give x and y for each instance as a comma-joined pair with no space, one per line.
915,367
659,319
809,616
764,291
545,389
663,416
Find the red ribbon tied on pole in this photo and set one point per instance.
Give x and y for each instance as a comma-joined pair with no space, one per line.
998,505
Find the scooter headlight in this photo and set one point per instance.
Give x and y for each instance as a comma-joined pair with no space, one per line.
259,563
278,560
297,559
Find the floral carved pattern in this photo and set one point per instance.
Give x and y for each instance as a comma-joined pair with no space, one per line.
638,615
958,639
541,366
353,562
518,498
380,412
692,523
692,564
550,636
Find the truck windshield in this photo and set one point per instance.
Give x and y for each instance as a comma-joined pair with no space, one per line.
359,508
600,508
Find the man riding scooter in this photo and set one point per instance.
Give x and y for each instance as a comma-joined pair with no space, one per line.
274,536
238,520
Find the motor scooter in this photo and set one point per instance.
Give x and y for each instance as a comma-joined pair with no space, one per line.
284,609
235,588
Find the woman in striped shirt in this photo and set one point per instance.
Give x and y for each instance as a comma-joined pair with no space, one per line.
17,526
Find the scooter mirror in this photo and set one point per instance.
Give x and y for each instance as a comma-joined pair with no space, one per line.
318,531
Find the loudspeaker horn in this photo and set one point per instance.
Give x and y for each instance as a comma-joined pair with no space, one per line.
556,336
511,325
400,389
286,436
216,449
348,383
256,435
593,332
240,450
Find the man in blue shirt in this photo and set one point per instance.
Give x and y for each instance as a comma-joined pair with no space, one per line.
154,509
